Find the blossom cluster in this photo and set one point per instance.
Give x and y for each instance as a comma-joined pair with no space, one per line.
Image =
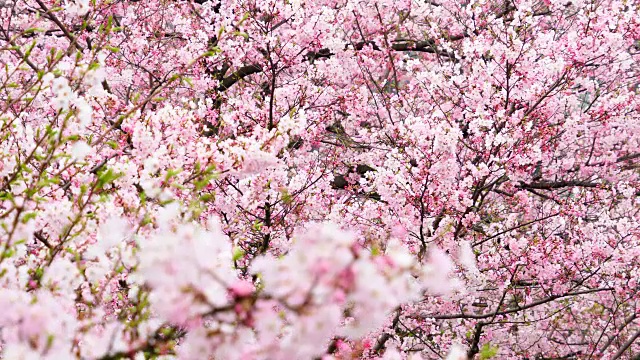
326,179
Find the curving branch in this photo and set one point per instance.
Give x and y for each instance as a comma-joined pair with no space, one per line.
550,185
238,75
516,309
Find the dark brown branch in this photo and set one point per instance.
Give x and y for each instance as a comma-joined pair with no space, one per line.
239,75
50,15
549,185
428,46
40,237
380,344
628,157
477,333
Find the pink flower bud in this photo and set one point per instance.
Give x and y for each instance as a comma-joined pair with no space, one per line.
242,288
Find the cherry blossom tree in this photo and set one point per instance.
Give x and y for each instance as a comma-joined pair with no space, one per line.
326,179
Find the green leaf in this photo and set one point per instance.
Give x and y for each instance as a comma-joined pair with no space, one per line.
33,30
166,202
244,18
146,220
109,24
38,273
237,254
212,52
27,53
50,339
206,197
112,144
106,177
8,253
243,34
171,173
286,197
29,216
488,351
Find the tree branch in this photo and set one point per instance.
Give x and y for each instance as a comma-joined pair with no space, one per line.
549,185
626,345
517,309
238,75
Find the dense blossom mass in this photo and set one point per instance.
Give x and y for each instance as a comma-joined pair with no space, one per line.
319,179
